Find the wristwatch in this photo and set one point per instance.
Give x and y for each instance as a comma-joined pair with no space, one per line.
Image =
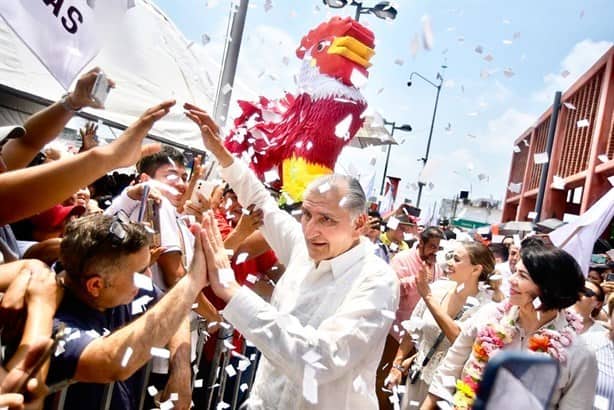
66,104
399,368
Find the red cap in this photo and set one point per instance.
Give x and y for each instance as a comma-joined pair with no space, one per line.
53,217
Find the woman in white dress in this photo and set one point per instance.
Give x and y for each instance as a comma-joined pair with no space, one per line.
437,317
534,318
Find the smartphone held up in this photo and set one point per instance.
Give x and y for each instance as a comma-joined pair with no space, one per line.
100,90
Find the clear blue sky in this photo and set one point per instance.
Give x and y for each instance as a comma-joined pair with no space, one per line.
551,37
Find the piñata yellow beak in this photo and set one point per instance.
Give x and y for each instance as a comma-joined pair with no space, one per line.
352,49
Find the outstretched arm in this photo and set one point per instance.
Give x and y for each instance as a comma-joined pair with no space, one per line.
56,181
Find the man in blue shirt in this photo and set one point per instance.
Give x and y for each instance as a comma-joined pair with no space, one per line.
109,338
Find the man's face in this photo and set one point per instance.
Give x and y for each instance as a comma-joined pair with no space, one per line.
595,277
428,250
119,288
514,257
174,176
232,206
328,228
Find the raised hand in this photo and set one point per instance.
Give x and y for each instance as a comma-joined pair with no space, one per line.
81,96
126,150
249,223
423,277
210,132
88,136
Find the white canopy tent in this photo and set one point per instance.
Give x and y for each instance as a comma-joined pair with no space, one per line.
146,55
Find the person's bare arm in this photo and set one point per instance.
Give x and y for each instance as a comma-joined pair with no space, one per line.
171,265
47,251
56,181
100,361
395,374
180,375
246,226
447,324
45,125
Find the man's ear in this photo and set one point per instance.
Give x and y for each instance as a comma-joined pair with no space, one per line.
144,177
360,222
94,285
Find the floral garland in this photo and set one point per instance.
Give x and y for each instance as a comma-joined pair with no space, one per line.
495,336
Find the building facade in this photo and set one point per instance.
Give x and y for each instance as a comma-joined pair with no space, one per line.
582,157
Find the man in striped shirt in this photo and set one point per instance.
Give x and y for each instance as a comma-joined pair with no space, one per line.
603,345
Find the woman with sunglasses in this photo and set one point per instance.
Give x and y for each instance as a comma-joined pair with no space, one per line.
534,318
589,306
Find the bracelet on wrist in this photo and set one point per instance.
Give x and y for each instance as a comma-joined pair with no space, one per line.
398,367
67,105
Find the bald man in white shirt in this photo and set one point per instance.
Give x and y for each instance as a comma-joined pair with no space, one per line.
323,332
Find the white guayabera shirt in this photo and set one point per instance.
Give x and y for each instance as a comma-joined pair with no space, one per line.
323,334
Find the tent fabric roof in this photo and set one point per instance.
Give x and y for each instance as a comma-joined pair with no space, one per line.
149,65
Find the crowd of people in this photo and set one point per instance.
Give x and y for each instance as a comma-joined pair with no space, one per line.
348,309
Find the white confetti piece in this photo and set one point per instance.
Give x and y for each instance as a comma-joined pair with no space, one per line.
342,202
427,33
603,158
399,61
407,236
449,381
394,247
138,304
251,278
393,223
460,288
472,114
74,335
311,356
244,387
601,403
152,390
515,187
414,403
60,348
310,385
324,187
516,149
243,365
611,180
558,183
525,142
271,176
496,276
359,384
160,352
205,39
230,370
479,49
342,130
388,313
224,324
358,79
508,72
142,282
268,5
507,42
226,88
246,211
488,57
565,73
537,302
241,258
228,345
174,397
414,45
569,106
198,383
127,355
221,406
227,276
540,158
532,215
583,123
166,405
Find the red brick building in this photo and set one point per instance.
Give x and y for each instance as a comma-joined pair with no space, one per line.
582,155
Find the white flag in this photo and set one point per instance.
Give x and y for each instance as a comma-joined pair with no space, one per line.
63,34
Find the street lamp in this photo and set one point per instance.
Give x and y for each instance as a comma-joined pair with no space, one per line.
404,127
428,144
383,10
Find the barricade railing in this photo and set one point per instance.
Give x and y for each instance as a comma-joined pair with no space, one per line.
218,385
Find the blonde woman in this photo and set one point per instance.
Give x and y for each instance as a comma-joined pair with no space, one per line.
438,315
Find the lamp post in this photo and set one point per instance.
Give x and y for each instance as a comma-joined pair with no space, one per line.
404,127
428,144
383,10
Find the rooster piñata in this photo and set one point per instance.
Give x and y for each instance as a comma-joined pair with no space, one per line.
302,135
